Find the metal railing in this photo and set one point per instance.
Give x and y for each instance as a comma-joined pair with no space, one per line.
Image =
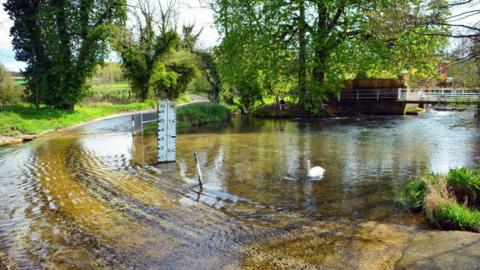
367,94
443,95
439,95
142,120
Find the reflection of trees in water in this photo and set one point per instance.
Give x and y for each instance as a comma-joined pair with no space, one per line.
366,161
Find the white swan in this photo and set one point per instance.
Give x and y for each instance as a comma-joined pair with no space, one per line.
315,172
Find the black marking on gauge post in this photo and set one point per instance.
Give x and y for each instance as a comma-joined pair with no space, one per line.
167,132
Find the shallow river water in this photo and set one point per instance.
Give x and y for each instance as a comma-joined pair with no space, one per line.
93,198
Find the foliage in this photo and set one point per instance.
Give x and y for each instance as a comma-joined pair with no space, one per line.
62,42
184,65
152,56
17,119
208,80
202,113
115,93
443,210
464,177
198,114
450,202
9,92
310,47
141,56
209,74
465,73
452,215
183,98
110,72
414,193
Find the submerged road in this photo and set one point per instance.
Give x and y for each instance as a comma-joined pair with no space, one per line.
91,198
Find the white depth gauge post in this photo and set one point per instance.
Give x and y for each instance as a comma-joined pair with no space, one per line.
167,132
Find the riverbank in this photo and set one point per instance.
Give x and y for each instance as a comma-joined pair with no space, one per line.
450,202
292,110
198,114
202,113
23,123
332,110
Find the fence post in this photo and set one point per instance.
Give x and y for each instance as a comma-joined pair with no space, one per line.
399,93
141,122
133,125
358,95
378,95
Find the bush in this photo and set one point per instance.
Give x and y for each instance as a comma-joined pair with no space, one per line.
454,216
9,93
197,114
414,194
464,178
449,202
202,113
109,72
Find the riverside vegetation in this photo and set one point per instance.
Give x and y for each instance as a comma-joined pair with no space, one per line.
198,114
449,202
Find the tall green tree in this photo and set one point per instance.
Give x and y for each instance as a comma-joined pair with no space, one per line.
152,56
62,42
252,52
324,40
205,60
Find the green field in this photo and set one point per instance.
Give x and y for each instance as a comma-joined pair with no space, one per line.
119,93
109,87
19,82
25,119
198,114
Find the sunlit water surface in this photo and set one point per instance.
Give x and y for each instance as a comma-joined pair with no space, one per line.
93,197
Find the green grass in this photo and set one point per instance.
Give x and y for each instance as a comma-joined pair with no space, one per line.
465,178
19,82
25,119
183,98
107,99
120,93
202,113
198,114
109,87
451,201
455,216
413,195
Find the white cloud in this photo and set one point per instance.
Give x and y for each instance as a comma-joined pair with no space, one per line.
5,24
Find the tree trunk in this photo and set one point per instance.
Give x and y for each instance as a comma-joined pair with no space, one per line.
319,70
302,54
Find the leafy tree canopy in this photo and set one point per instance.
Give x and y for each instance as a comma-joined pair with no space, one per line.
62,42
312,46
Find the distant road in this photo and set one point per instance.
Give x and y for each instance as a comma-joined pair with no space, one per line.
197,99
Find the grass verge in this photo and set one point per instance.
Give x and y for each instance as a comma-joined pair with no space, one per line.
202,113
198,114
25,119
450,202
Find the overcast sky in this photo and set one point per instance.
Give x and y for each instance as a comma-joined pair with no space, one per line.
189,12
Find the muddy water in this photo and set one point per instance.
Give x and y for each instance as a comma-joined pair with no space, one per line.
93,198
